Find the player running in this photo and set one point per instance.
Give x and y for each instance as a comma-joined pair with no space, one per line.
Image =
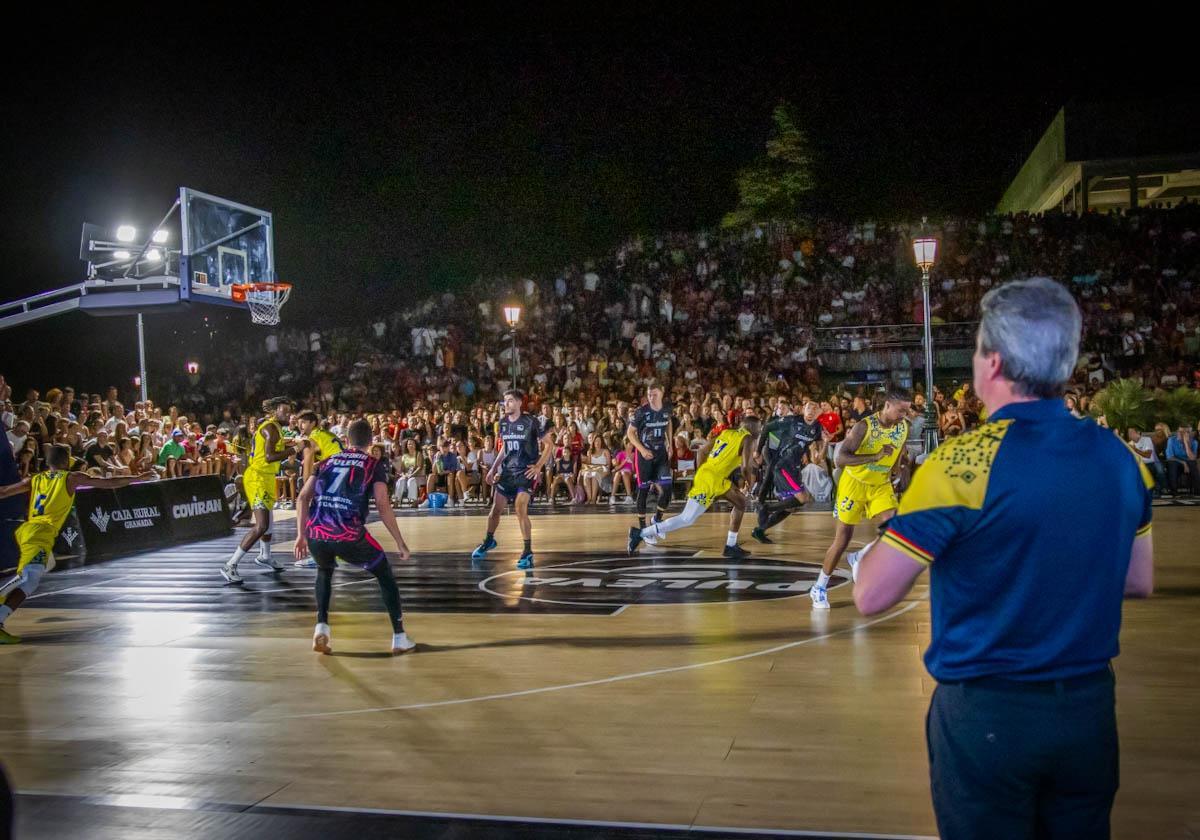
795,434
332,522
320,446
733,448
51,496
869,458
268,450
525,445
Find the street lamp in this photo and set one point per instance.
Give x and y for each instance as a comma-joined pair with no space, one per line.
512,317
925,254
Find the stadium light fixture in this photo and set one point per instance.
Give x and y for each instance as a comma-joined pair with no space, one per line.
153,255
121,255
512,315
160,236
193,368
126,233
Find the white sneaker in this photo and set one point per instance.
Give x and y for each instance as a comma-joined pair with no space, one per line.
820,600
306,563
229,571
268,560
323,639
651,539
424,504
401,643
853,559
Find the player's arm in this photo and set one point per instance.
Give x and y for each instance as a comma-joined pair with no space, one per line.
383,504
490,476
76,480
1139,580
271,433
631,434
903,459
749,468
547,449
303,501
702,452
846,456
310,458
17,489
885,577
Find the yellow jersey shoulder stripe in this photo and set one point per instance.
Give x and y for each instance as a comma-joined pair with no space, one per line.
956,474
1147,478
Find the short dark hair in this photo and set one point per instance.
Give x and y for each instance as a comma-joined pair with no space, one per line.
58,456
516,393
897,393
654,384
359,434
309,415
274,403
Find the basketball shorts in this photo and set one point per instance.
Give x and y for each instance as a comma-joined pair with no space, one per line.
364,552
656,470
857,502
260,490
35,541
511,485
708,487
787,482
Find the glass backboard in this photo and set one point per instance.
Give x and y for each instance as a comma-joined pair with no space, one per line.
223,243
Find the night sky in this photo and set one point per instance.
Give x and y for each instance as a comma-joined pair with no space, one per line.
402,155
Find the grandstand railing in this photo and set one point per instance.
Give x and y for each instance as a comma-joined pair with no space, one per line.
891,347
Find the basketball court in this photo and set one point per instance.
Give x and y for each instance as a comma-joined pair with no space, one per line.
671,694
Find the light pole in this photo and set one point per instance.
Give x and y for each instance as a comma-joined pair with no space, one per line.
925,253
512,316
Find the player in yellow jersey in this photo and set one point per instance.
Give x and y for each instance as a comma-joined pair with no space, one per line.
320,444
267,450
731,449
51,496
869,457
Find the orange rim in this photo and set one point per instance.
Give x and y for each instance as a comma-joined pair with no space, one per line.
238,290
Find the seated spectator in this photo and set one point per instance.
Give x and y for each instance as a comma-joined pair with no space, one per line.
562,469
595,468
445,467
1181,462
409,467
1145,447
172,458
623,464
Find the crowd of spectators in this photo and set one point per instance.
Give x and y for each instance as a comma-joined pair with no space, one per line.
729,321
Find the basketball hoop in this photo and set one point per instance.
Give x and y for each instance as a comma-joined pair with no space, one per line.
265,300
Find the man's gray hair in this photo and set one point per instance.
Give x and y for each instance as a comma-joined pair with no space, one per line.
1034,325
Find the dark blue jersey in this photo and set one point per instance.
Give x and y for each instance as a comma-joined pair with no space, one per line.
651,427
345,484
519,442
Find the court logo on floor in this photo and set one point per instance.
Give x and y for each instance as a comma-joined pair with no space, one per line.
680,579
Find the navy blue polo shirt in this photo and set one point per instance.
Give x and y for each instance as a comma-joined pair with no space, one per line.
1027,523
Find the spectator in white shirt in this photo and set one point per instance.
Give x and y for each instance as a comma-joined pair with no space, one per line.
1145,447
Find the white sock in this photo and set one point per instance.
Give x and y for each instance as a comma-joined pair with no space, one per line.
264,549
822,580
237,555
731,538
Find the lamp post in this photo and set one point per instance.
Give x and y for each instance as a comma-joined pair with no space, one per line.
512,316
925,253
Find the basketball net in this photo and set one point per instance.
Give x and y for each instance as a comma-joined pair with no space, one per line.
263,299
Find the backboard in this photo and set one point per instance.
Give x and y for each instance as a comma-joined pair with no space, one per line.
222,243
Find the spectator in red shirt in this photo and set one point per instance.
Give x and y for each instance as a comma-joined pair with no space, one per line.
830,420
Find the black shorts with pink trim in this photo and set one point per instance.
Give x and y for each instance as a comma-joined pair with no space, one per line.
365,553
787,482
656,470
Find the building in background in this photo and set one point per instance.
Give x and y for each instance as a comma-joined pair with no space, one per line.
1107,157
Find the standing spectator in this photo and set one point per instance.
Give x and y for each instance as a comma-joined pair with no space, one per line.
1021,729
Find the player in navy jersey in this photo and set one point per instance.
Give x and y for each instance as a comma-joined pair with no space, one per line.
332,523
524,445
796,434
651,431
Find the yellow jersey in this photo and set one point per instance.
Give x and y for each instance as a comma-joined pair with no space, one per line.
324,445
725,455
50,497
258,449
874,440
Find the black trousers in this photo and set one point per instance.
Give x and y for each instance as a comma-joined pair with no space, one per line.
1011,761
1181,482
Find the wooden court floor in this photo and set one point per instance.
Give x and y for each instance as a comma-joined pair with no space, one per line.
597,688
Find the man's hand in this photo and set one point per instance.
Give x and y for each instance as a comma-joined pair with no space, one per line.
301,549
148,475
533,472
490,478
401,551
646,453
887,450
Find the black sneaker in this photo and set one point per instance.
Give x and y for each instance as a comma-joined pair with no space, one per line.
761,535
635,539
735,552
